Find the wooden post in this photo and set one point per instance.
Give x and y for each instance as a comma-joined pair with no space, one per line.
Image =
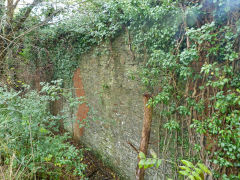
146,129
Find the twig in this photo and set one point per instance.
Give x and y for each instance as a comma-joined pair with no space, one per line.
134,148
30,30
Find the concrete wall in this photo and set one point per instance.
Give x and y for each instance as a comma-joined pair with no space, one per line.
115,101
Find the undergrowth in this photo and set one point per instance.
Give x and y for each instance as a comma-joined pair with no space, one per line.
31,146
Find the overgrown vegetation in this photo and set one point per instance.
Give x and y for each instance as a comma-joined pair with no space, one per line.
30,142
188,170
191,55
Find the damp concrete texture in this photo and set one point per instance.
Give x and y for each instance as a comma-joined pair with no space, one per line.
113,114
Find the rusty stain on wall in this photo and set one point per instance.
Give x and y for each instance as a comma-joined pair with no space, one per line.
83,109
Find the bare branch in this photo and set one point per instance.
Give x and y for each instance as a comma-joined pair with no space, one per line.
4,38
30,30
15,5
27,13
10,10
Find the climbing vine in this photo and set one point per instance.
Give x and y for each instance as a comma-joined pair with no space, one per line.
194,76
63,44
190,51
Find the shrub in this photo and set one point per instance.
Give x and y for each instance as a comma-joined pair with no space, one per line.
30,133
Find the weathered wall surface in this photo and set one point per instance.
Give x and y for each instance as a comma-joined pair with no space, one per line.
115,105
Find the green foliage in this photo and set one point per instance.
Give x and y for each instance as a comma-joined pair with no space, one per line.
192,66
172,125
31,134
189,170
149,162
177,71
193,172
63,44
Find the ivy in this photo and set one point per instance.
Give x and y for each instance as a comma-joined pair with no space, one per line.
192,66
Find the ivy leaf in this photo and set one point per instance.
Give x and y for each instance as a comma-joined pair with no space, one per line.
142,155
141,163
149,163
